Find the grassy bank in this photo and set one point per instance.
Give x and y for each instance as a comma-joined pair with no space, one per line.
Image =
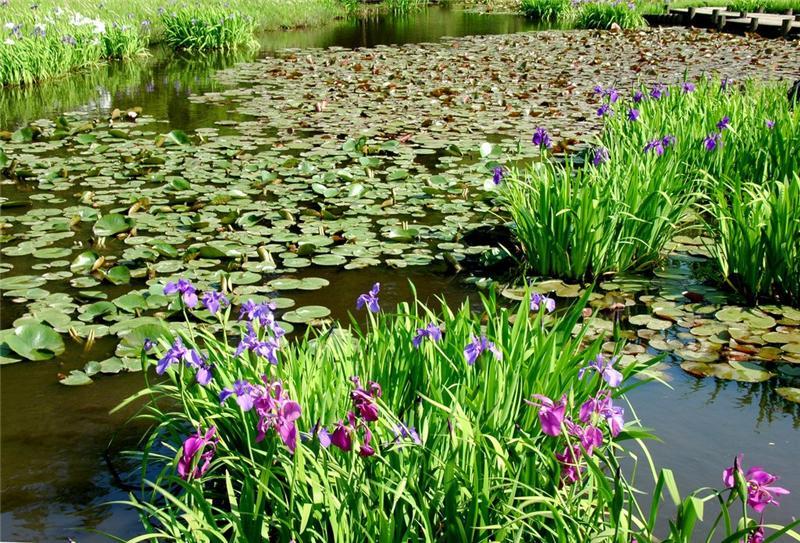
602,14
768,6
423,425
48,39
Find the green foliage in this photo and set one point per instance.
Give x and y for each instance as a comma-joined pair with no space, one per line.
579,223
756,228
604,14
482,469
55,39
547,10
205,29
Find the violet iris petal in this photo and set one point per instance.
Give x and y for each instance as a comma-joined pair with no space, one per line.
370,299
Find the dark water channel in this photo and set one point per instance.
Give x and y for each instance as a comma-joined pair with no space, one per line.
55,480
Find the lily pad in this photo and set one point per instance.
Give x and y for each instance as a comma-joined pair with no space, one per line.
306,314
111,224
35,342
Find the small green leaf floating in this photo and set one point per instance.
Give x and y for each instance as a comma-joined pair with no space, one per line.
119,275
306,314
111,224
84,262
76,378
789,393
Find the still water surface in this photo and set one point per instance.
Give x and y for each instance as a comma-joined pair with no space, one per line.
55,467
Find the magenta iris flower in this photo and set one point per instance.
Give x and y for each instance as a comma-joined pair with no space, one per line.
633,114
186,290
570,463
591,437
687,87
431,331
601,405
760,491
277,411
600,156
724,123
341,436
770,124
551,414
541,138
539,301
477,346
606,370
214,301
370,299
244,392
757,536
203,444
604,110
497,175
365,402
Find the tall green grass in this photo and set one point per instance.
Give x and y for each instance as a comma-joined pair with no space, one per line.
579,223
84,33
205,29
547,10
756,228
768,6
604,14
482,469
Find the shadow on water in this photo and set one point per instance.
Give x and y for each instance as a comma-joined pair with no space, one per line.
54,477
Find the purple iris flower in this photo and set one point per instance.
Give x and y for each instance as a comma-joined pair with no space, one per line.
370,299
148,344
497,175
760,491
69,40
633,114
598,89
723,124
655,145
365,401
277,411
541,138
600,156
431,331
206,445
267,348
659,90
214,301
638,96
407,432
477,346
604,110
725,84
712,140
770,124
177,353
263,313
365,449
570,463
668,140
612,94
342,437
551,414
539,301
687,87
186,290
244,394
204,373
606,370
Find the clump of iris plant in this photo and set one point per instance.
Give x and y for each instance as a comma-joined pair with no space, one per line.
177,353
605,368
633,114
659,145
600,156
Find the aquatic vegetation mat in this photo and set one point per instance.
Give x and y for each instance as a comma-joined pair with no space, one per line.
331,159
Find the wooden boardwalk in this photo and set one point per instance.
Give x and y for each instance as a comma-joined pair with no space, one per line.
767,24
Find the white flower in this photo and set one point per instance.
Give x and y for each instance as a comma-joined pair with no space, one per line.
99,27
58,12
9,41
9,26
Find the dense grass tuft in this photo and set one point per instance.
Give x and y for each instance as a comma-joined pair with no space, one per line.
604,14
547,10
206,29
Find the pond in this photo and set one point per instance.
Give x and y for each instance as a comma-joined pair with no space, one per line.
276,168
